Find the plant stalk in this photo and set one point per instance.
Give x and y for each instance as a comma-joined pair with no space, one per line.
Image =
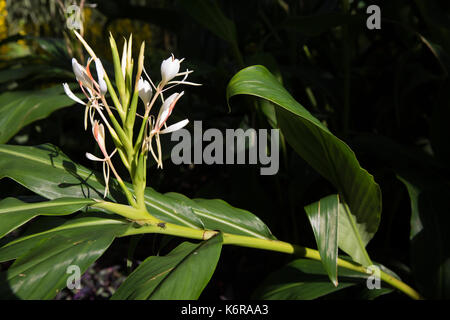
153,225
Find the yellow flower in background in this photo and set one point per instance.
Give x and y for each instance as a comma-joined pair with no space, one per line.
3,15
3,26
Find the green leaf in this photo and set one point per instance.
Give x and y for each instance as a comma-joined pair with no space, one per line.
43,258
430,223
48,227
323,216
303,279
20,108
427,183
216,214
323,151
349,236
14,213
180,275
48,172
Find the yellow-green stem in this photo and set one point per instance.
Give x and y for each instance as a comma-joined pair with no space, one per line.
149,224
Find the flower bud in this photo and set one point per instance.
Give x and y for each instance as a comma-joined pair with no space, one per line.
169,69
145,91
81,74
100,74
166,109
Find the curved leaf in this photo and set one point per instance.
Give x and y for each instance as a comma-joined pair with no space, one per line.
41,268
305,279
49,227
180,275
323,151
20,108
323,216
14,213
48,172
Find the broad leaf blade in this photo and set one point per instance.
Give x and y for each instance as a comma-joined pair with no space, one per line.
20,108
48,172
41,270
305,279
180,275
50,227
430,223
14,213
350,237
323,216
326,153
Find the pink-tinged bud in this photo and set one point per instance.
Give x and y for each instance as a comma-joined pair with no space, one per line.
98,130
81,74
145,91
169,69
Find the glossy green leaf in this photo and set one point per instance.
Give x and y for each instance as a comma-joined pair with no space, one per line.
43,258
48,172
323,151
48,227
349,236
14,213
323,216
305,279
180,275
20,108
427,183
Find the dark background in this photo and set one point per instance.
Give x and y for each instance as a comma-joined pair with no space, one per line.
384,92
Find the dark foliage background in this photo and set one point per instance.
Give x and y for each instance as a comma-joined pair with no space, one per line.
385,92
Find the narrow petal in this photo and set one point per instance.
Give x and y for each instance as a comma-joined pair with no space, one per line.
70,94
166,109
90,156
175,127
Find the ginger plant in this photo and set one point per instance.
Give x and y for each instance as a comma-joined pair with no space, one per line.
133,84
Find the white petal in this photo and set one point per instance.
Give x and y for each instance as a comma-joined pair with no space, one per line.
71,95
169,69
124,58
175,127
90,156
101,74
